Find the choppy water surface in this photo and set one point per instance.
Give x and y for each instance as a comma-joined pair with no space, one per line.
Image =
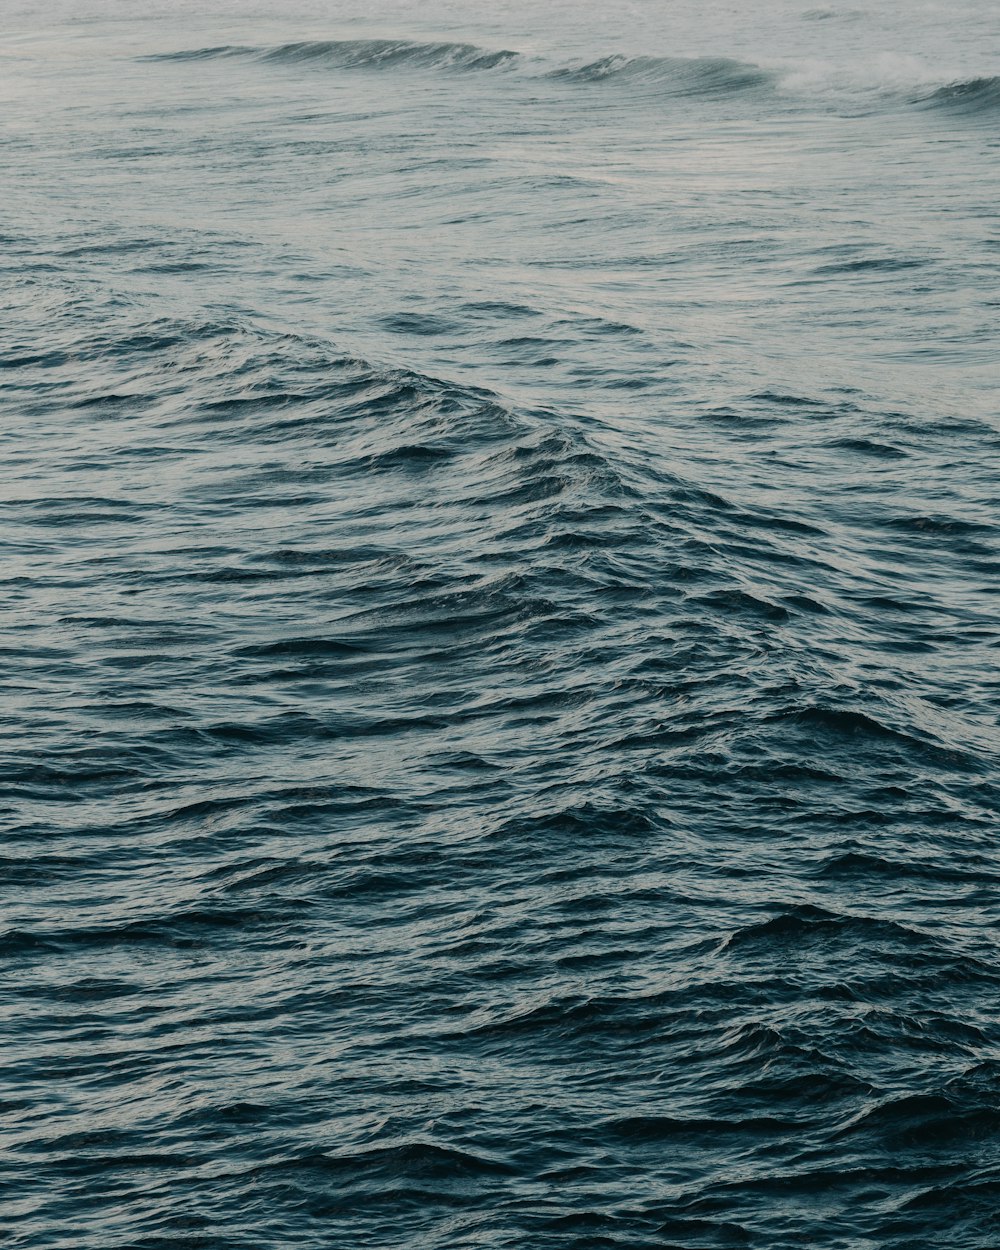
500,516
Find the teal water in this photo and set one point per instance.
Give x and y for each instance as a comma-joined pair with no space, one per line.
499,612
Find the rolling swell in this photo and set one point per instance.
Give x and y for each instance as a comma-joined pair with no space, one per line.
498,632
680,76
358,54
482,681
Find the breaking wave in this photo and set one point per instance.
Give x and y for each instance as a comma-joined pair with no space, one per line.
681,76
677,75
974,96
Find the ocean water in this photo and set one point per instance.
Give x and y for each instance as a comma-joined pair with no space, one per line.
499,614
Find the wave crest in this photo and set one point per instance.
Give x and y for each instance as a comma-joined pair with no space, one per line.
359,54
676,76
703,75
975,95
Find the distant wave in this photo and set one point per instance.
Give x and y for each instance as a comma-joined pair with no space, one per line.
359,54
683,76
704,75
976,95
203,54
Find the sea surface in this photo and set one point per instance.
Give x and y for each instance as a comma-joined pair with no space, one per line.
499,625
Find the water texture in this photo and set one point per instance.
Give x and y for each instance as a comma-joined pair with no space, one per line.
499,627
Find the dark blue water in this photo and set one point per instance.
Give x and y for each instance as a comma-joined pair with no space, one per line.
500,629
